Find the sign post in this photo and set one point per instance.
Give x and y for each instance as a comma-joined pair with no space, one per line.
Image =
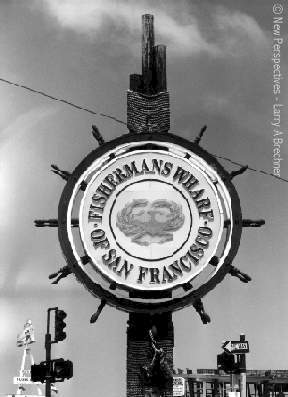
239,348
242,360
150,86
233,382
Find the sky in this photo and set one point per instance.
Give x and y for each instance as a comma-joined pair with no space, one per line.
219,73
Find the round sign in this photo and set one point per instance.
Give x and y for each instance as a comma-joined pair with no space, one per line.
152,214
150,220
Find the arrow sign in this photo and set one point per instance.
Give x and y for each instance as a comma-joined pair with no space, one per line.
236,347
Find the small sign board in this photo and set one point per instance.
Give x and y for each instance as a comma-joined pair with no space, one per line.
178,386
236,347
24,380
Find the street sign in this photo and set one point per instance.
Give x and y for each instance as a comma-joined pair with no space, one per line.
236,347
24,380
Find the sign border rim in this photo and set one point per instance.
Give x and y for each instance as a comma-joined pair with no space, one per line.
126,304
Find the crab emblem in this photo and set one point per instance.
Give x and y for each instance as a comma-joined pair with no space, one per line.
150,222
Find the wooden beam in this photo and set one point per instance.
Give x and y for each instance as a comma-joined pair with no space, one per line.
160,80
136,82
147,52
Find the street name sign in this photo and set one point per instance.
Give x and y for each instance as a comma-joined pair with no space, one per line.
24,380
236,347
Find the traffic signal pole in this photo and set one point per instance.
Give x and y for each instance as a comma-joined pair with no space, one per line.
48,342
242,367
48,358
50,371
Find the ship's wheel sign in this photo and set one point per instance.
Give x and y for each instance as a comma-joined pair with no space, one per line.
154,212
150,220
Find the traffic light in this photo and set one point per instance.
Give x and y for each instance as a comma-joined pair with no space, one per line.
226,362
39,372
61,369
60,325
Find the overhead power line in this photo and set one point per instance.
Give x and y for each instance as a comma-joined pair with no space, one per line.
63,101
109,116
250,168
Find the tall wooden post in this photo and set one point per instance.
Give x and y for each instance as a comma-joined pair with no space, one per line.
160,68
147,52
148,111
148,107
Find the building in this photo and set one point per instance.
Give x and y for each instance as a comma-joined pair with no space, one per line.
215,383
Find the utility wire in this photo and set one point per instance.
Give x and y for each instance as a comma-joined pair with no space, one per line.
62,100
121,122
250,168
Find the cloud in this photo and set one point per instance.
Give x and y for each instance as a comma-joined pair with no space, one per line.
24,124
11,151
16,157
6,312
231,33
238,32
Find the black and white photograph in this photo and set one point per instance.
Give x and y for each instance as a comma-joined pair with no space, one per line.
144,189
